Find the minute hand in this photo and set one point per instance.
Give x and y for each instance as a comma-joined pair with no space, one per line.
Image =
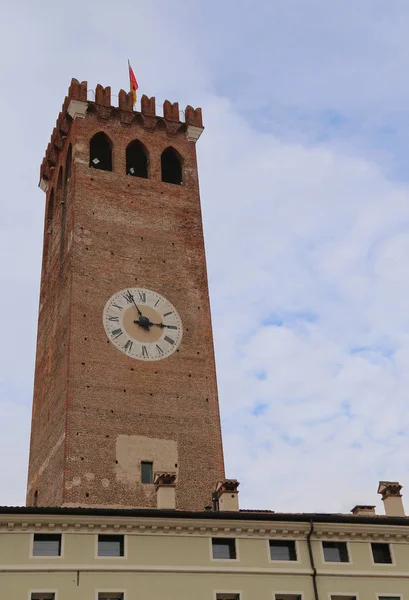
163,325
133,300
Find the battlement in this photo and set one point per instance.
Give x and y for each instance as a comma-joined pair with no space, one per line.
77,104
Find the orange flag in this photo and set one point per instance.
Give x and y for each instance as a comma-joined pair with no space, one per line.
133,84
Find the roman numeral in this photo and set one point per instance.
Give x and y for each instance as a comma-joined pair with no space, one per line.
117,332
157,302
144,352
171,326
128,345
167,314
142,296
169,340
117,306
159,349
128,297
113,318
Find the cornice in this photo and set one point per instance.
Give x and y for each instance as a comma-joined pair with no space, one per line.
199,528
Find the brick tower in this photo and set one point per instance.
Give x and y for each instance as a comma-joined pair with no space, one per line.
125,396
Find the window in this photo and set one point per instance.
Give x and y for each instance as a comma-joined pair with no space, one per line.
288,597
171,166
100,152
381,553
110,545
224,548
146,472
338,597
389,598
335,551
110,596
47,544
136,160
42,596
227,596
282,550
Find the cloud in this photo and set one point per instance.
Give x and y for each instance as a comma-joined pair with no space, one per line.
306,215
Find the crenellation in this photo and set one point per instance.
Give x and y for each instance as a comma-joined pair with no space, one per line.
77,93
193,116
171,111
77,90
103,95
148,106
125,101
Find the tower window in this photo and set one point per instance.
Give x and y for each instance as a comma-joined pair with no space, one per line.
42,596
136,160
146,472
381,553
110,596
111,545
224,548
171,166
100,152
335,551
47,544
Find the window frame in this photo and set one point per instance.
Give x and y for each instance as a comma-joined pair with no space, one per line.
45,556
286,593
389,596
238,593
331,562
115,591
99,557
382,564
283,561
31,592
343,595
147,462
225,560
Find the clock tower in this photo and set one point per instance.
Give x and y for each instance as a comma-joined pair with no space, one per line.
125,394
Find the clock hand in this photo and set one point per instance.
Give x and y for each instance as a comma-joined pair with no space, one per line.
133,300
163,325
143,322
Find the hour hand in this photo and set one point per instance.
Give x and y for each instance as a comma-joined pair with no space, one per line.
163,325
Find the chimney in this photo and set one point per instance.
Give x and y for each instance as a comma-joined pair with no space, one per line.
165,490
392,498
227,495
363,510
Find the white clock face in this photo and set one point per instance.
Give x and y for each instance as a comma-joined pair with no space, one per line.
142,324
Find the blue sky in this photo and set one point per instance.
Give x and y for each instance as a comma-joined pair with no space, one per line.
305,191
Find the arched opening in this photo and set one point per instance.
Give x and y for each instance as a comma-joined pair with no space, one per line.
100,152
171,166
136,160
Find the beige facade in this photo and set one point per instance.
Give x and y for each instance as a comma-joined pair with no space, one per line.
167,554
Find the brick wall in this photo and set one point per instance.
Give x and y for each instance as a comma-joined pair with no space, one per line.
123,231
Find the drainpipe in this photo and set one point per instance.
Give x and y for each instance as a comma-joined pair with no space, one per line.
314,570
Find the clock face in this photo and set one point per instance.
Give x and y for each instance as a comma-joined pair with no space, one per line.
142,324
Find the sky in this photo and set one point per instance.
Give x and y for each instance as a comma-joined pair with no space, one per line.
304,175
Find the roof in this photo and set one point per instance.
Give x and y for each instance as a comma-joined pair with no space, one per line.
242,515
